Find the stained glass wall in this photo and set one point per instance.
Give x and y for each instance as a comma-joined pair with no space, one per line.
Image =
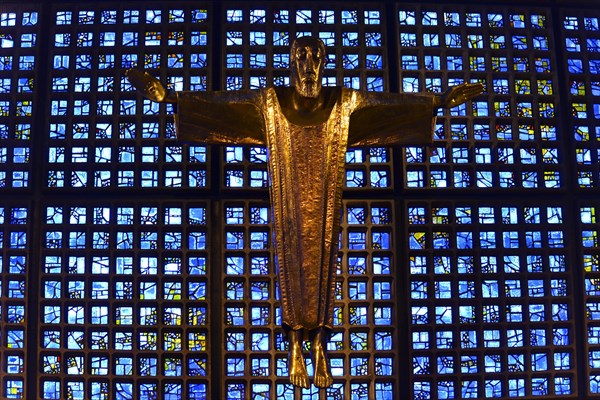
580,46
123,286
489,280
137,267
19,52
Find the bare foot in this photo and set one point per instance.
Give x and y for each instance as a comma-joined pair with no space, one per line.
298,375
323,377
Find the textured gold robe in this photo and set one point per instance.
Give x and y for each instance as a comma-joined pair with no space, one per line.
306,167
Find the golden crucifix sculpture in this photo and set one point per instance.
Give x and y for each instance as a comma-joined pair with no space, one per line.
306,129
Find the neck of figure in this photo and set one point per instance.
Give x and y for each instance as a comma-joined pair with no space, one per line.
303,110
307,105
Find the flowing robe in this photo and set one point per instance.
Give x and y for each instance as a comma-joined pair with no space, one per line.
306,167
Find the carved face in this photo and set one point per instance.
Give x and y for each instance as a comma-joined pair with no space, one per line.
308,61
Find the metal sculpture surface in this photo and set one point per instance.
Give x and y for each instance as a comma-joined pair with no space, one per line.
307,129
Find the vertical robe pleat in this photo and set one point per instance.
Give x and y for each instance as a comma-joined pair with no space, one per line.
307,178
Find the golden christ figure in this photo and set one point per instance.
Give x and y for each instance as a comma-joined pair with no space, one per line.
306,129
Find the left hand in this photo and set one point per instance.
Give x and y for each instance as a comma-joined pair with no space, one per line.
457,95
148,85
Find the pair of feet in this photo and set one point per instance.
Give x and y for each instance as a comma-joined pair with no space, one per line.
297,367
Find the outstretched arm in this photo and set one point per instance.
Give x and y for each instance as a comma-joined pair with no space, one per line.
229,117
381,119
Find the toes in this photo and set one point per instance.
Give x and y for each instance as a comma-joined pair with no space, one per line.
301,381
323,381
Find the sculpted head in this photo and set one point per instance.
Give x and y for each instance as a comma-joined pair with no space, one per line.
307,60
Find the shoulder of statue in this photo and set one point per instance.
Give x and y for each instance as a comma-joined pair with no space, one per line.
281,90
351,97
282,94
336,92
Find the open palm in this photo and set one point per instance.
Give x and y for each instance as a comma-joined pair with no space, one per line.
148,85
459,94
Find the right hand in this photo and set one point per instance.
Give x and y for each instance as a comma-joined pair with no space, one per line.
456,95
148,85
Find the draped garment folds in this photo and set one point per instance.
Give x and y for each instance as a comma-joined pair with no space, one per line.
306,168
